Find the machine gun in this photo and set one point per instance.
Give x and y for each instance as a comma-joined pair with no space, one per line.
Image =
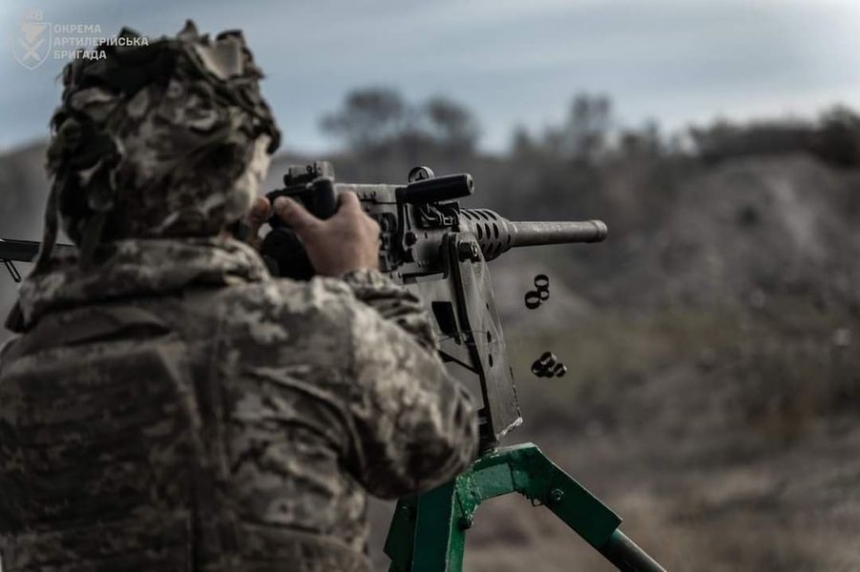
430,245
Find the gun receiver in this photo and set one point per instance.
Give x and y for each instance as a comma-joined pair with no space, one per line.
434,247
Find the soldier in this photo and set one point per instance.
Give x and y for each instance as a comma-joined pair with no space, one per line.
170,406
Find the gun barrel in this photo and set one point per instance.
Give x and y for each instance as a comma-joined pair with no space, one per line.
538,233
24,250
497,235
18,250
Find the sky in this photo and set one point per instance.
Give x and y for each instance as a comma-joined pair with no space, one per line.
512,62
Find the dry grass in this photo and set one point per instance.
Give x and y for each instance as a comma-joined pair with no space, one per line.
726,441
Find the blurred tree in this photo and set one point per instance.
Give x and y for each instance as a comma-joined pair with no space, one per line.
725,140
370,117
588,123
644,142
378,124
838,137
452,125
522,143
653,137
553,142
710,142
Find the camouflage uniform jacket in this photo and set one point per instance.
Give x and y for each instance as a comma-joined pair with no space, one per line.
176,408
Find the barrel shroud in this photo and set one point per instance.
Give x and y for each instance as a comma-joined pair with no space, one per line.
497,235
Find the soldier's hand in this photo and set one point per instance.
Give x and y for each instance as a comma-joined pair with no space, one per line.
347,241
260,212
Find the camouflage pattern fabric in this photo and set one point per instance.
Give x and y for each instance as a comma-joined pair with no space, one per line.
166,139
176,408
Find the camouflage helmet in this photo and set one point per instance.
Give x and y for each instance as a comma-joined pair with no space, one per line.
157,138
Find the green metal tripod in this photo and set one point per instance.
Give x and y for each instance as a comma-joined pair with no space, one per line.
428,532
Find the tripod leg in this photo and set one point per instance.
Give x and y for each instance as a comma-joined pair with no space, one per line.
627,556
439,537
426,533
581,511
399,544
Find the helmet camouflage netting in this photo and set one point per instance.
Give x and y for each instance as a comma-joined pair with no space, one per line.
168,139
